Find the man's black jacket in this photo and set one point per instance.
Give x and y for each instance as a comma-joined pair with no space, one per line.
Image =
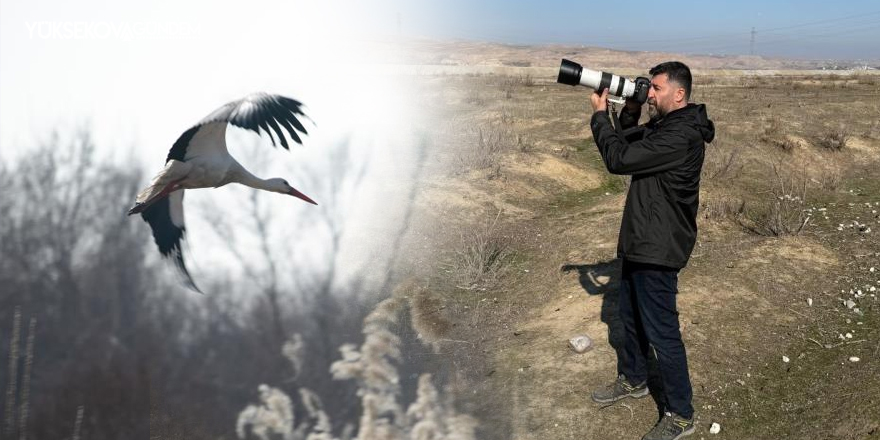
664,157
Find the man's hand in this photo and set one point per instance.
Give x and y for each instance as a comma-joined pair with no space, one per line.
599,102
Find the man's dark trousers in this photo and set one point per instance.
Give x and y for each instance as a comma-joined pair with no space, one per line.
649,315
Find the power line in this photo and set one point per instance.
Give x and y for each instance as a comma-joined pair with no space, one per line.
752,42
775,39
866,14
724,35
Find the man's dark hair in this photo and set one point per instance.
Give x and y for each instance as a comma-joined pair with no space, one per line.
676,72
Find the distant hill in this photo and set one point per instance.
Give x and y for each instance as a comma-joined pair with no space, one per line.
470,53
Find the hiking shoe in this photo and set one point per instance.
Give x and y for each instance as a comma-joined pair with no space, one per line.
671,427
619,389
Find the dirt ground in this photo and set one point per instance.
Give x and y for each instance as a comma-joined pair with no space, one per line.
523,218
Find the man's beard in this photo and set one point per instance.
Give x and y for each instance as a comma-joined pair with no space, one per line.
653,111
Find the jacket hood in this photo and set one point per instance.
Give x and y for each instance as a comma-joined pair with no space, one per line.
695,115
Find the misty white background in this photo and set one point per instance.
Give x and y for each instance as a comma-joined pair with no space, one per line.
136,75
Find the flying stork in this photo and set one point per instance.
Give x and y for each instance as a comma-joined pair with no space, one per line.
199,159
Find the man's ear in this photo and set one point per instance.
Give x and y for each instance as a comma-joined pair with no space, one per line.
680,95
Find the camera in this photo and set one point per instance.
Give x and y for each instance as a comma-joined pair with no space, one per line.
573,74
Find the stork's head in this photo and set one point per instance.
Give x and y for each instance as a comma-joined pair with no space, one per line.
281,186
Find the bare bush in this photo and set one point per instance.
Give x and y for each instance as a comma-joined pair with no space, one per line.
829,179
510,83
721,162
786,144
773,134
482,256
772,127
523,144
490,143
834,139
783,213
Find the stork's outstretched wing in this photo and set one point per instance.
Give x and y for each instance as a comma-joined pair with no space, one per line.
165,217
256,111
208,138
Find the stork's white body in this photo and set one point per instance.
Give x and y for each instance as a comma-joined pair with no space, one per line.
200,159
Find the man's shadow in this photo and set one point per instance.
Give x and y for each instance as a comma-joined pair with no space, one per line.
604,279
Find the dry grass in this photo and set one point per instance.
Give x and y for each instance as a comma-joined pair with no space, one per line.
724,208
741,189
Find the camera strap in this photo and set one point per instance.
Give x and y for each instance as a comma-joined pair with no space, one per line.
615,121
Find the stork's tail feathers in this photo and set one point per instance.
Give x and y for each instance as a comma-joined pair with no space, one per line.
137,208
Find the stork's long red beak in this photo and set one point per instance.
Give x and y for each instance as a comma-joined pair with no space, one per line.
302,196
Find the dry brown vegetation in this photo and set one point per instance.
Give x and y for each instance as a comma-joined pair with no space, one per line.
789,165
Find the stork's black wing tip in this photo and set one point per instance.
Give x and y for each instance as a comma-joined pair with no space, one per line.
192,286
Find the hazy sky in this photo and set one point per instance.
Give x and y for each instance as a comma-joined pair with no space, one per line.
806,29
140,72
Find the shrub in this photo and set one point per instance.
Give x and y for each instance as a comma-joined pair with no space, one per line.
834,139
782,214
482,256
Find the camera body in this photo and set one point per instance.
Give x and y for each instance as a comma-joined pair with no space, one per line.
572,73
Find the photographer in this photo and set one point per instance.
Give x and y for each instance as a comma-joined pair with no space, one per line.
657,234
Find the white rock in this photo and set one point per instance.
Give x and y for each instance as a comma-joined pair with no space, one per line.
850,304
810,302
715,428
785,359
854,359
580,343
871,269
848,336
